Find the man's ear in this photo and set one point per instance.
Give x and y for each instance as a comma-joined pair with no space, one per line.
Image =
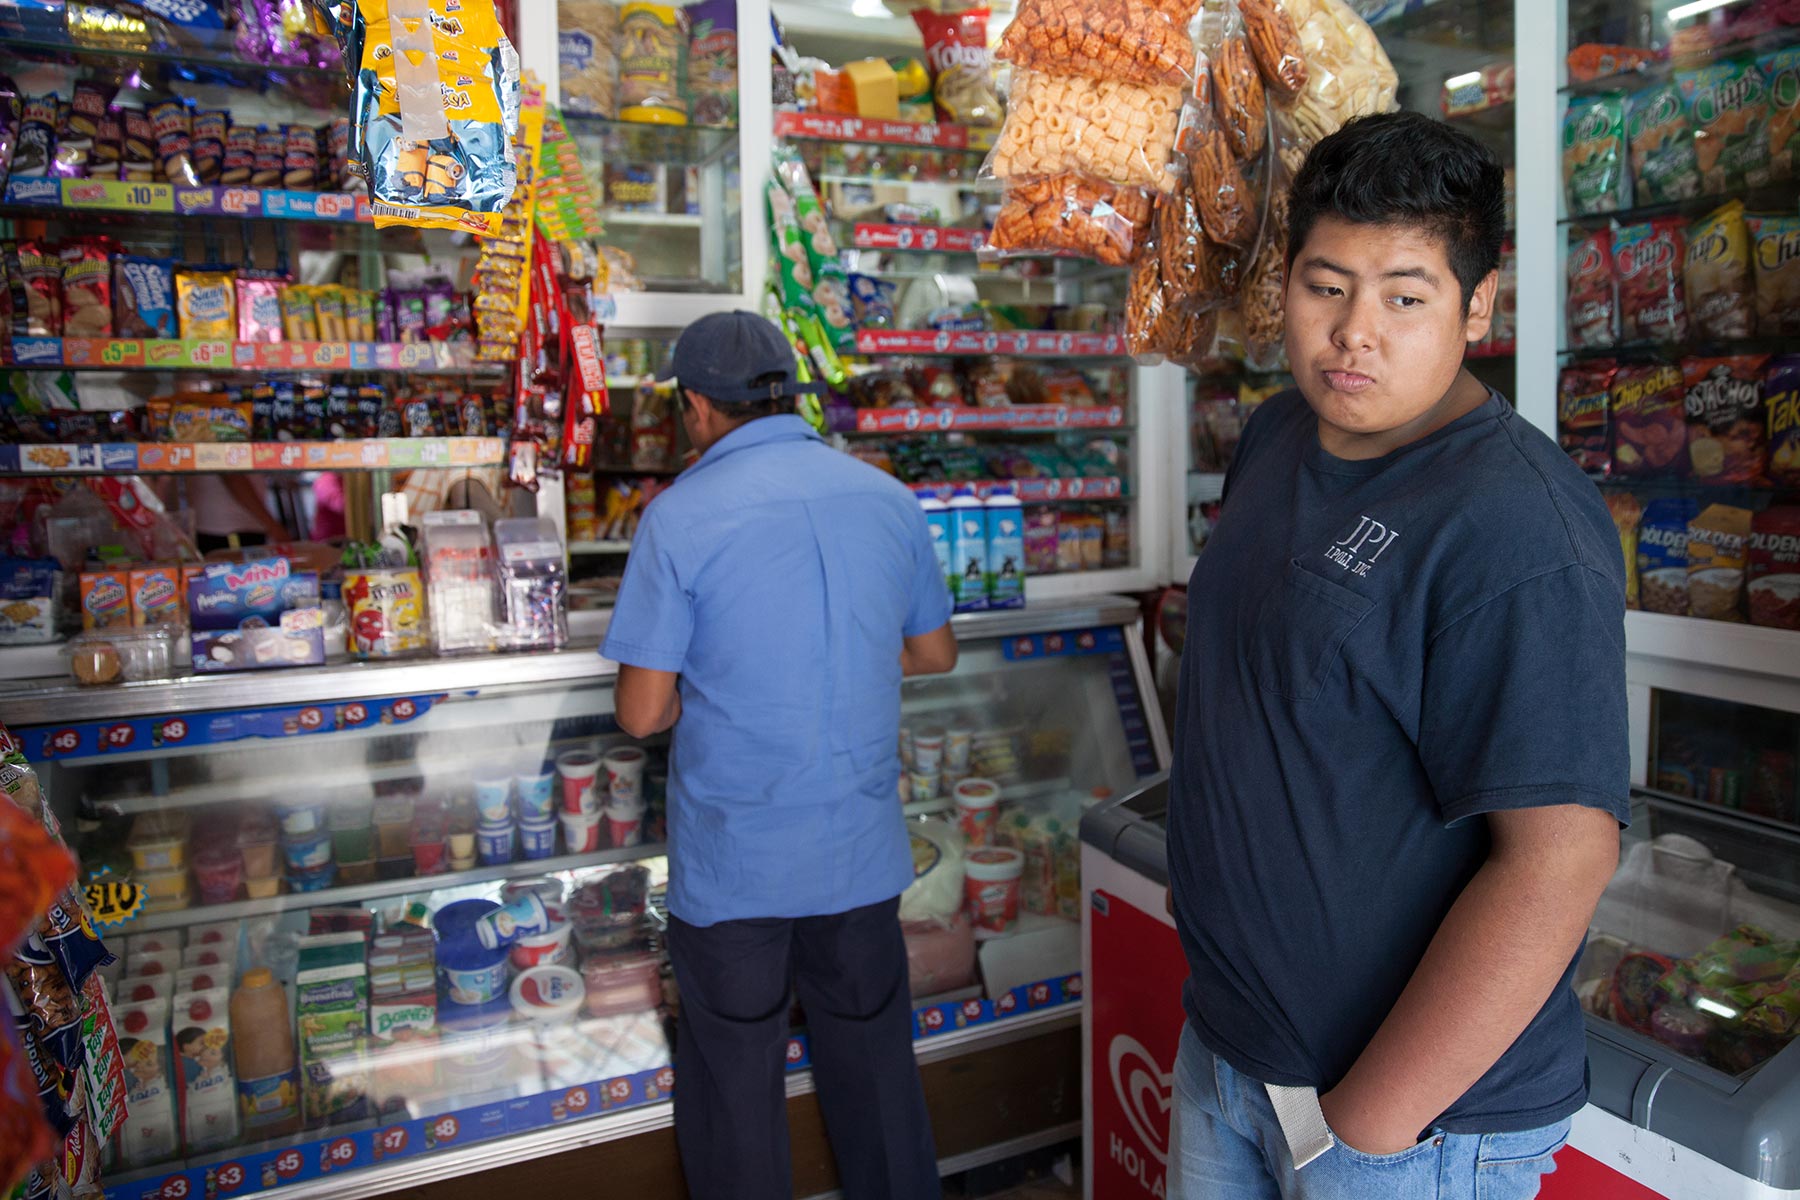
1481,308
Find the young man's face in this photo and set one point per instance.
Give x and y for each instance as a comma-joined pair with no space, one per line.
1376,331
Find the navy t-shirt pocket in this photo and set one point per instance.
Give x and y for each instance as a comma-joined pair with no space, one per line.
1300,632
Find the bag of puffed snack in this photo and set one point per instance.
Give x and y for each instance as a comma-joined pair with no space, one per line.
962,69
1773,582
1717,275
1627,513
1781,399
1728,105
1718,539
1583,416
1593,305
1648,260
1662,555
1663,164
1102,39
1593,155
1775,248
1122,133
1781,78
1649,407
87,288
1073,214
1727,435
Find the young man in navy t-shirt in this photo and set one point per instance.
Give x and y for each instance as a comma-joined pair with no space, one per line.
1402,757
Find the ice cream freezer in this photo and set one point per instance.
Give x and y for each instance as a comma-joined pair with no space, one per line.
1689,982
332,824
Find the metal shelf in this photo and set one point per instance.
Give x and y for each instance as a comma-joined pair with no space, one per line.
651,220
382,889
611,546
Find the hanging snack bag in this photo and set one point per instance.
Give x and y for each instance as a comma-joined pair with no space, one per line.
1073,214
1781,78
1663,164
712,64
1132,40
1717,276
652,44
206,304
1773,580
1593,157
1662,555
1781,397
1593,306
1584,416
1238,100
1727,433
587,43
1277,45
1775,247
1728,105
1718,541
1647,260
1122,133
962,69
1649,414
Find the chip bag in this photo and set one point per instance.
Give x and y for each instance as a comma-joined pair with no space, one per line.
1662,145
1593,158
206,303
1649,407
962,69
1104,39
1727,435
1781,400
1775,247
1118,132
1781,78
1648,261
1593,305
1583,416
1729,107
1717,275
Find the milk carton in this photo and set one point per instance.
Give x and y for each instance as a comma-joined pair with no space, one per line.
968,550
1006,551
937,520
331,1003
201,1027
151,1132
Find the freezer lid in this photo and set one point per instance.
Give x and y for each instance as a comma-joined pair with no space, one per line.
1130,829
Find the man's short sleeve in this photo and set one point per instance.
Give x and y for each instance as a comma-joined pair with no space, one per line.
653,620
1524,700
930,605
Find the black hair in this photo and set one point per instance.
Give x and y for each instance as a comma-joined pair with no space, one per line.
1405,169
750,410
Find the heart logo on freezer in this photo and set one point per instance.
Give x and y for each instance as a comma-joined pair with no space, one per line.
1145,1092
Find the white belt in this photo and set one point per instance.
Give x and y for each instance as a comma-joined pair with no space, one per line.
1302,1122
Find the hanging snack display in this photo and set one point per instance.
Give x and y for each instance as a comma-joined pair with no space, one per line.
435,108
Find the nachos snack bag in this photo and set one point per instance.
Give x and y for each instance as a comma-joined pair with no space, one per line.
1662,554
1727,433
1584,416
1716,278
1781,400
1773,580
1593,304
1663,164
1647,260
1728,105
962,69
1775,249
1718,541
1781,78
1649,414
1594,155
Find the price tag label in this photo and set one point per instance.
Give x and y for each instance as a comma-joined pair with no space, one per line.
340,1154
404,709
229,1178
444,1130
288,1164
392,1141
172,732
933,1019
619,1091
1039,993
312,718
576,1100
176,1187
355,714
113,193
795,1051
117,737
63,741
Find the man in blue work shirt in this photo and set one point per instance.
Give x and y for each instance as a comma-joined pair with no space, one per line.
774,597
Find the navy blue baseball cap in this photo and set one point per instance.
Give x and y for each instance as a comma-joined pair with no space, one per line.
719,355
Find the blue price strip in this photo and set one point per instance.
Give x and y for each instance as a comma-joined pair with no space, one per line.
1067,644
934,1019
94,740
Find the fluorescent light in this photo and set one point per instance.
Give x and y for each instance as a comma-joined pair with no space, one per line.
1705,1003
875,8
1473,77
1682,12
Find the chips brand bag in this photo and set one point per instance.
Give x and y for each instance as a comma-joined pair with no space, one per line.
1662,146
1662,555
1773,581
1781,399
1648,259
1593,306
1649,406
1594,157
1717,543
1729,107
962,67
1775,246
1583,416
1720,300
1781,76
1727,433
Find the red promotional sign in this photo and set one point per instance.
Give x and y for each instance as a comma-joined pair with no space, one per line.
1135,993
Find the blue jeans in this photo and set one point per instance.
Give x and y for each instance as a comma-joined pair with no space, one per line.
1225,1144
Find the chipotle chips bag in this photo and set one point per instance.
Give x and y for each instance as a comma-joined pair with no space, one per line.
1649,407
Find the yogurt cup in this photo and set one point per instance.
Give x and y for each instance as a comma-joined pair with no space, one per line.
217,873
456,921
548,994
494,843
299,820
991,877
551,949
307,853
924,785
625,775
581,832
578,770
928,750
472,973
537,839
958,741
258,849
258,887
313,879
977,810
523,916
493,795
427,851
536,793
624,827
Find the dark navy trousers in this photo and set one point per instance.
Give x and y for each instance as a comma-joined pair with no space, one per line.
736,980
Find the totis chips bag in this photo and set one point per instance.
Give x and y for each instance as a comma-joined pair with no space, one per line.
1775,248
1718,541
1717,275
1781,77
1727,435
1593,306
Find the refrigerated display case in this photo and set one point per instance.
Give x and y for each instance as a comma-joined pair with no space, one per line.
229,823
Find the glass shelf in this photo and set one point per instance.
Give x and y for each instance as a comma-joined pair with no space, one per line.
668,145
1776,197
1661,351
193,58
1664,70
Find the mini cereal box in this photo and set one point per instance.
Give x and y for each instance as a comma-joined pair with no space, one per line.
105,599
157,596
